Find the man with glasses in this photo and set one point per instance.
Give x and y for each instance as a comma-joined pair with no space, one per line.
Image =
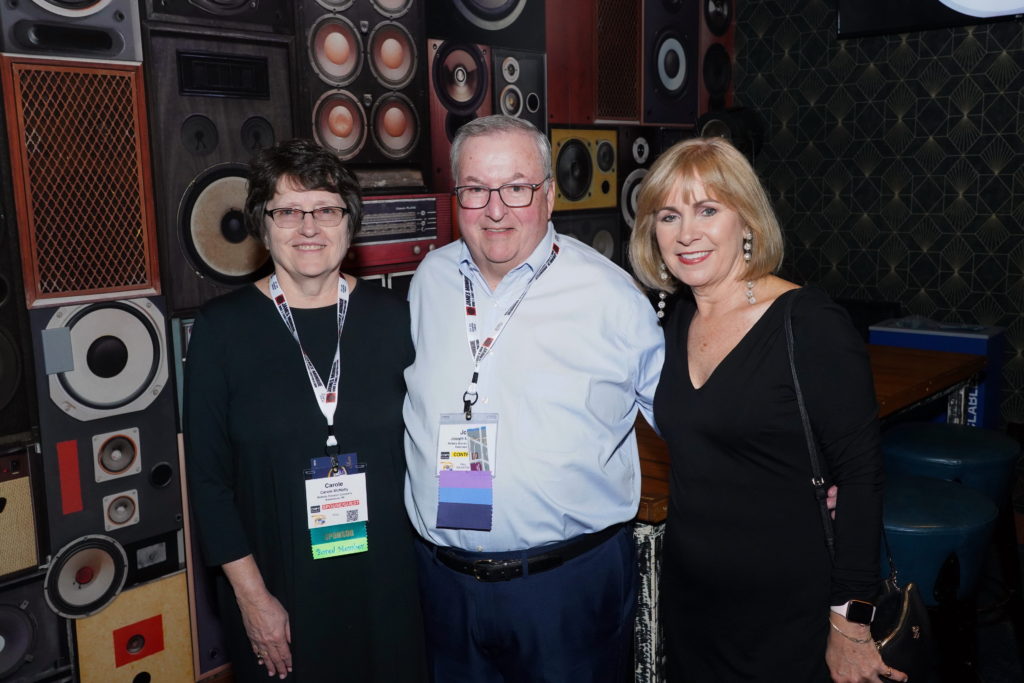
533,353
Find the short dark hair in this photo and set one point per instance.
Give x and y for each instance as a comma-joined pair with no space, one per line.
310,167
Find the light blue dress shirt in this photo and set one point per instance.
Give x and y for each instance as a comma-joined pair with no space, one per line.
581,354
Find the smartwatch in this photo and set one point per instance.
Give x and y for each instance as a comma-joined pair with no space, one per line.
856,611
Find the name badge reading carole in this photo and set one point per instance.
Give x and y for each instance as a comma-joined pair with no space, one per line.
467,446
337,513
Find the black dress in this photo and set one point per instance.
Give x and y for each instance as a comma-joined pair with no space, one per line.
746,578
252,424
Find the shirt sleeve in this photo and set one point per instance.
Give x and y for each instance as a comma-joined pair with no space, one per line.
835,377
209,456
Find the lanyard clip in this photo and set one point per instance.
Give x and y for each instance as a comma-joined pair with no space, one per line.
468,401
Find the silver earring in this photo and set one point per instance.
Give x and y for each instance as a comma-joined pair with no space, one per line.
748,244
662,294
750,292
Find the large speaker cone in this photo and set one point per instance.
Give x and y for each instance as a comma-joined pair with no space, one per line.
223,7
396,128
717,70
212,227
335,49
72,8
116,454
392,55
670,64
118,357
17,635
718,15
573,170
491,15
392,8
630,192
85,576
460,77
339,123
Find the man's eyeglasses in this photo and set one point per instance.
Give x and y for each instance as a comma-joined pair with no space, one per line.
514,195
325,217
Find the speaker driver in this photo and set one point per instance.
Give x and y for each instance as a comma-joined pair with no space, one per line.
718,15
573,170
396,128
116,454
630,192
510,69
212,227
85,576
717,70
604,243
392,8
199,135
73,8
670,64
120,510
257,134
460,77
335,50
605,156
339,123
223,7
641,150
118,357
392,55
17,635
10,368
511,101
335,5
490,15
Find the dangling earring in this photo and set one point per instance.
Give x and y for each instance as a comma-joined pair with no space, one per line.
662,294
748,244
750,293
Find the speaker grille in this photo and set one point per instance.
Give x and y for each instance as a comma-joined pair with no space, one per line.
77,137
617,37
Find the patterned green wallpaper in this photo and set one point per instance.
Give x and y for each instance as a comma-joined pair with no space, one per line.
895,163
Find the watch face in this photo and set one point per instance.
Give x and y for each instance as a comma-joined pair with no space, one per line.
859,612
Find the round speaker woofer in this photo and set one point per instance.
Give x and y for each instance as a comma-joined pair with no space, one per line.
490,15
10,368
257,134
573,170
604,243
396,128
17,639
715,127
718,16
630,193
511,101
77,9
392,8
460,77
199,135
717,70
670,65
510,69
121,510
85,576
392,55
339,123
119,357
117,454
335,50
211,227
605,156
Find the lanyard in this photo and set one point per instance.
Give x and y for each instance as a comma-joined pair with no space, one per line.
326,394
481,349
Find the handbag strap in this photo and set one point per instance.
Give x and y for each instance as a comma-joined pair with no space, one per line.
817,478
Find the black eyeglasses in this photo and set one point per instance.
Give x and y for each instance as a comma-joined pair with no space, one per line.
514,195
325,216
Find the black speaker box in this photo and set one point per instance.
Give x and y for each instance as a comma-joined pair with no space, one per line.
214,101
68,28
245,15
35,640
601,230
520,85
106,412
636,153
362,91
670,62
507,23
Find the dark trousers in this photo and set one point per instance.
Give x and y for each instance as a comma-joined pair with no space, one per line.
571,623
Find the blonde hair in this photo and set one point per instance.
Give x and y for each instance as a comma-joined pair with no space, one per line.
728,177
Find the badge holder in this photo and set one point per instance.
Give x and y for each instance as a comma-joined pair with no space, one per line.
336,506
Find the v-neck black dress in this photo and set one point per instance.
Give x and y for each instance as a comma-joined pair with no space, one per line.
746,578
252,424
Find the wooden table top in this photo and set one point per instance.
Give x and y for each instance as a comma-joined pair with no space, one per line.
903,377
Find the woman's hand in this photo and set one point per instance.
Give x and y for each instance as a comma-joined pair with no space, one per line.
852,657
265,619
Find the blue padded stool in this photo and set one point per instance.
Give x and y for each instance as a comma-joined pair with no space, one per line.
926,520
982,459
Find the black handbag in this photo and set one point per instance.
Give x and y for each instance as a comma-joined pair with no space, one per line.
901,628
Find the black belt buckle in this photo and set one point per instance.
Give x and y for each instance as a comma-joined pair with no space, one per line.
495,570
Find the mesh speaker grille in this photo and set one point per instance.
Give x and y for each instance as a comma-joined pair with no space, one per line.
617,37
81,147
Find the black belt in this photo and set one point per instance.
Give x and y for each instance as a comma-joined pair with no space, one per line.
491,569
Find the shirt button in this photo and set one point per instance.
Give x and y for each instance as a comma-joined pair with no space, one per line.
479,548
